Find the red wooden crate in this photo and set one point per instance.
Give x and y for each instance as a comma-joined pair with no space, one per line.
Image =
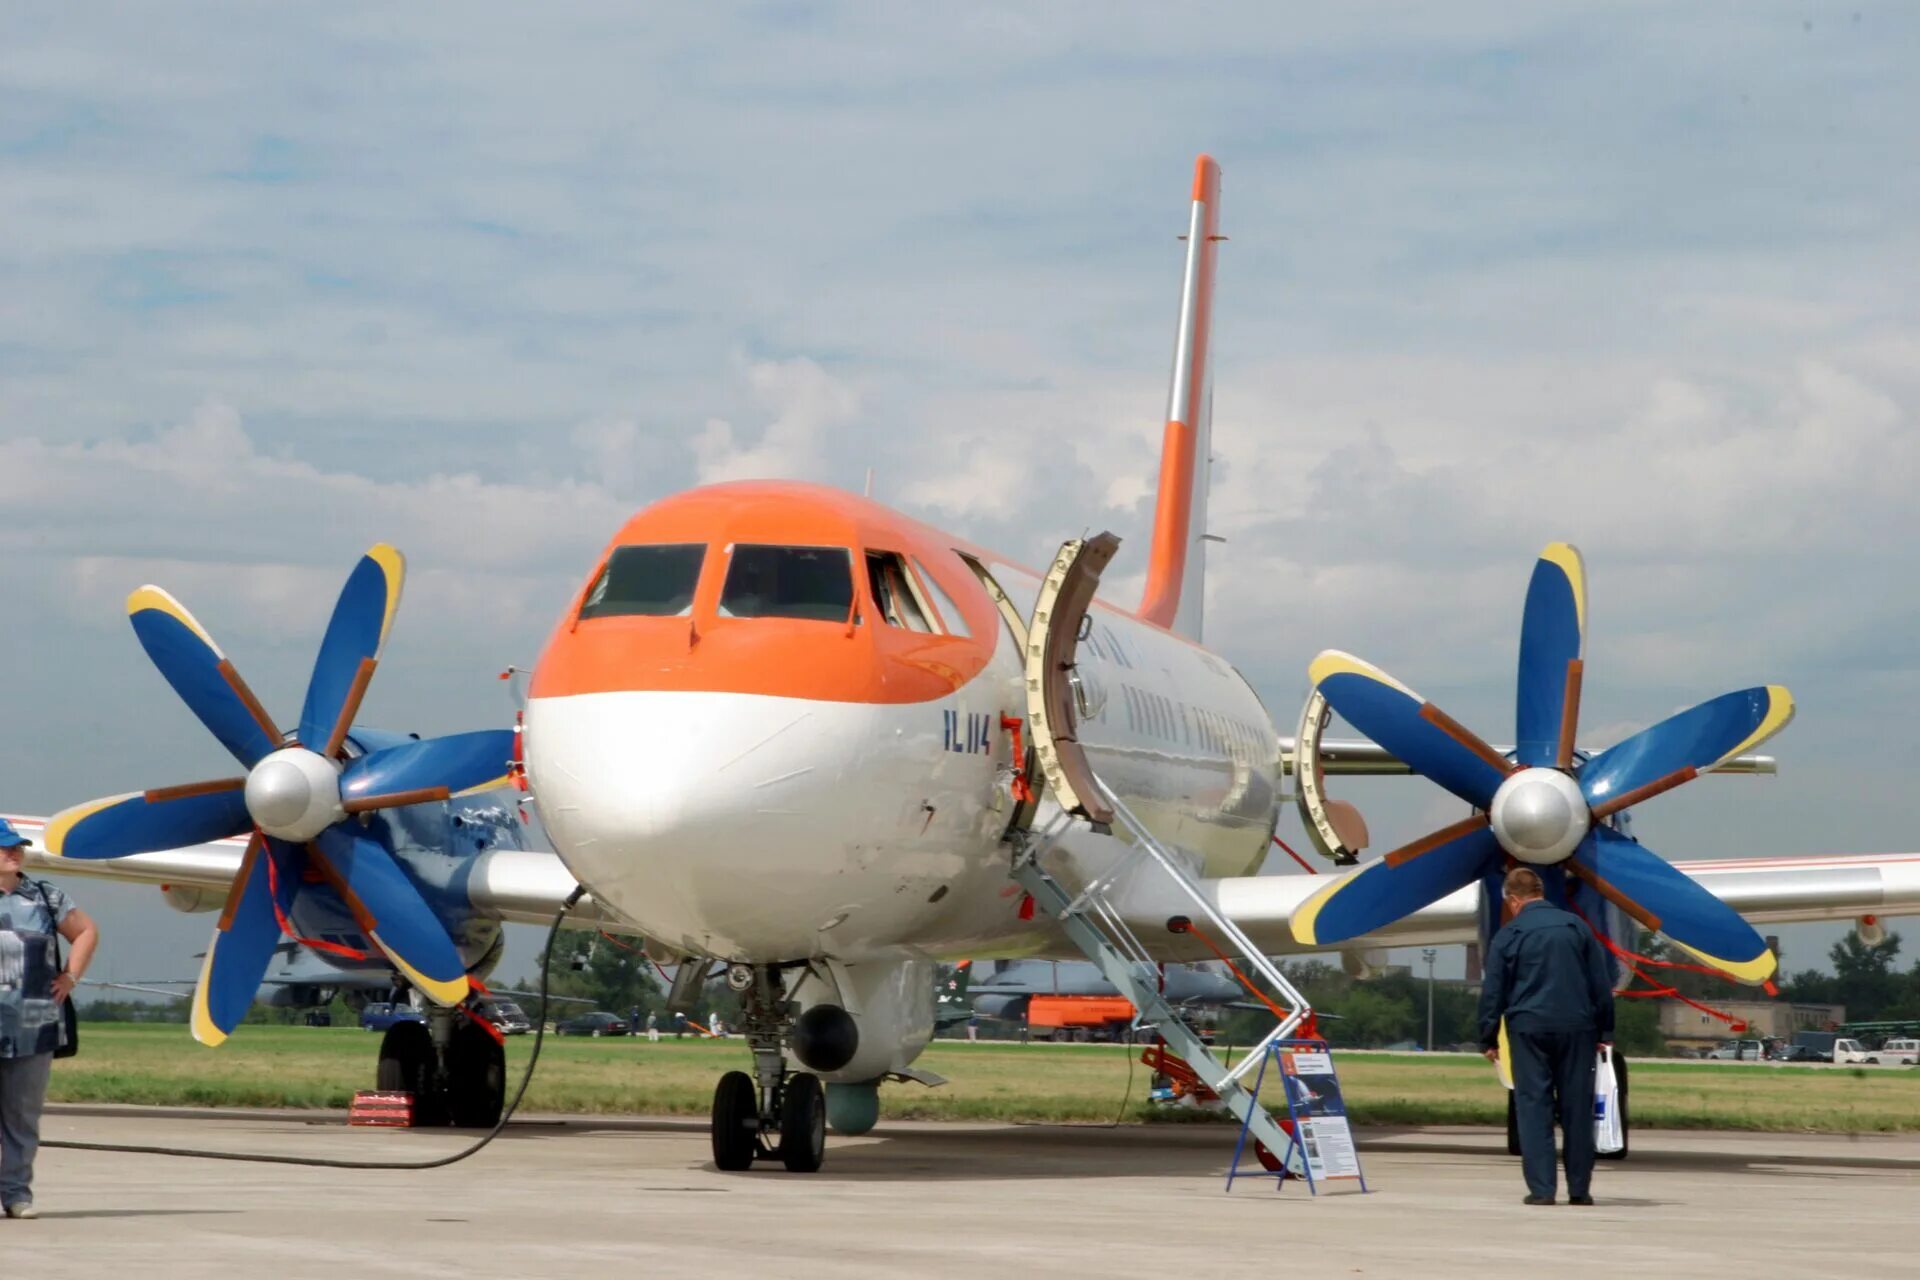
381,1110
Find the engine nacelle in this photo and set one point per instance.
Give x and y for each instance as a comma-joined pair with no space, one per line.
891,1008
192,898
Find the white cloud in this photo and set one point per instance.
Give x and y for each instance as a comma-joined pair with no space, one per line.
1498,274
806,403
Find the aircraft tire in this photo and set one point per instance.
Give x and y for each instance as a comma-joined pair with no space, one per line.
803,1124
476,1078
736,1121
407,1063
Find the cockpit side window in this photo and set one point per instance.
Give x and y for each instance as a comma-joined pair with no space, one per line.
651,582
788,582
949,611
894,595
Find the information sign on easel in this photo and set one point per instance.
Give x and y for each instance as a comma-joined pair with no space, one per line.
1320,1141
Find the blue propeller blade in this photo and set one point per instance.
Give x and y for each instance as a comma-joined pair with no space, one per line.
1394,885
1430,742
459,762
243,947
193,664
402,924
1552,634
1666,899
361,619
1697,739
146,822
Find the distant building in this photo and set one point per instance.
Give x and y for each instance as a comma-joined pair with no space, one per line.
1687,1027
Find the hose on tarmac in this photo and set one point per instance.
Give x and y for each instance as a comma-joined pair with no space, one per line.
316,1162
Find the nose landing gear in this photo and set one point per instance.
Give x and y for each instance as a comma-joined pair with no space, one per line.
773,1113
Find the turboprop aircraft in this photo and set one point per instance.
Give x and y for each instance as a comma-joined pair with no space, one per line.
789,729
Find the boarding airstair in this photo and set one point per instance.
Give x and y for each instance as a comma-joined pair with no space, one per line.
1094,909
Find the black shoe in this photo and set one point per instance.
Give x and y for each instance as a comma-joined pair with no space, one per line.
1579,1199
1538,1200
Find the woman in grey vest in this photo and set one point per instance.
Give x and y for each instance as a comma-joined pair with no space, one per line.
31,991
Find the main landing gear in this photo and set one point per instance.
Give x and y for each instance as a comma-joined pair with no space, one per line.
773,1113
455,1070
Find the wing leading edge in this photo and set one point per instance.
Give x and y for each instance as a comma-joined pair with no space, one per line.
1784,890
518,886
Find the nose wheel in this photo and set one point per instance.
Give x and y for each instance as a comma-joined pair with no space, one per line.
736,1122
772,1113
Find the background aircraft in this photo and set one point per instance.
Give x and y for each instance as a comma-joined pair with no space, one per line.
1003,989
301,978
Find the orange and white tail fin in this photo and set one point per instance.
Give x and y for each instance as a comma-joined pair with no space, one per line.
1177,569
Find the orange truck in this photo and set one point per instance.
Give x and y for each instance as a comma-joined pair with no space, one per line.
1080,1017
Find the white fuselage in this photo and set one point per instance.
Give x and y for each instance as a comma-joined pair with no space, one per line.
763,828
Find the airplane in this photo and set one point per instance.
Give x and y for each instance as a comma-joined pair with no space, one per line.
790,729
1003,988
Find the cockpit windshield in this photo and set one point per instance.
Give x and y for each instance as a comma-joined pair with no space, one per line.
654,582
789,582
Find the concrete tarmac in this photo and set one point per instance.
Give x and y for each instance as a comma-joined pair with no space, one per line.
575,1197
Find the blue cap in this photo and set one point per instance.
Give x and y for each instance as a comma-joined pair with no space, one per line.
9,838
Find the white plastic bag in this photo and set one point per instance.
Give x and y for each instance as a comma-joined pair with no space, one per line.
1608,1133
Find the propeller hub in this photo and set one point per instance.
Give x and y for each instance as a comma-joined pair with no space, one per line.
1539,816
294,794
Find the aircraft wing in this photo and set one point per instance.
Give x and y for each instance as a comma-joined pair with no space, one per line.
535,995
1783,890
169,992
520,886
1358,756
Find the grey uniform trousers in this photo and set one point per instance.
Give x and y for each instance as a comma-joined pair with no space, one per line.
1553,1079
23,1092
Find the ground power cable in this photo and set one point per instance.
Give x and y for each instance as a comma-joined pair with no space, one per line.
316,1162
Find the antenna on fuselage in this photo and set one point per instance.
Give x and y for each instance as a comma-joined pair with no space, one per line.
868,491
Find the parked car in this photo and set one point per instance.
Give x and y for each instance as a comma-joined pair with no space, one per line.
509,1017
380,1015
1849,1051
1800,1053
1738,1051
1903,1050
592,1024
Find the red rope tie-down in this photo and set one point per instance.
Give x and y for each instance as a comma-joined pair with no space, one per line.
286,925
480,1020
1308,867
1657,989
1180,924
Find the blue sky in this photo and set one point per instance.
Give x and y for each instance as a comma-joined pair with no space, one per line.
278,282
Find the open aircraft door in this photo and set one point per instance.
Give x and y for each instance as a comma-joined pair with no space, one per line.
1054,690
1027,764
1335,827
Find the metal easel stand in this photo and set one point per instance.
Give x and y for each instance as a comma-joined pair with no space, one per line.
1297,1161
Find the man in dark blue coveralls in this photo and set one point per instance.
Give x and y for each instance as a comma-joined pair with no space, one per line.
1547,976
